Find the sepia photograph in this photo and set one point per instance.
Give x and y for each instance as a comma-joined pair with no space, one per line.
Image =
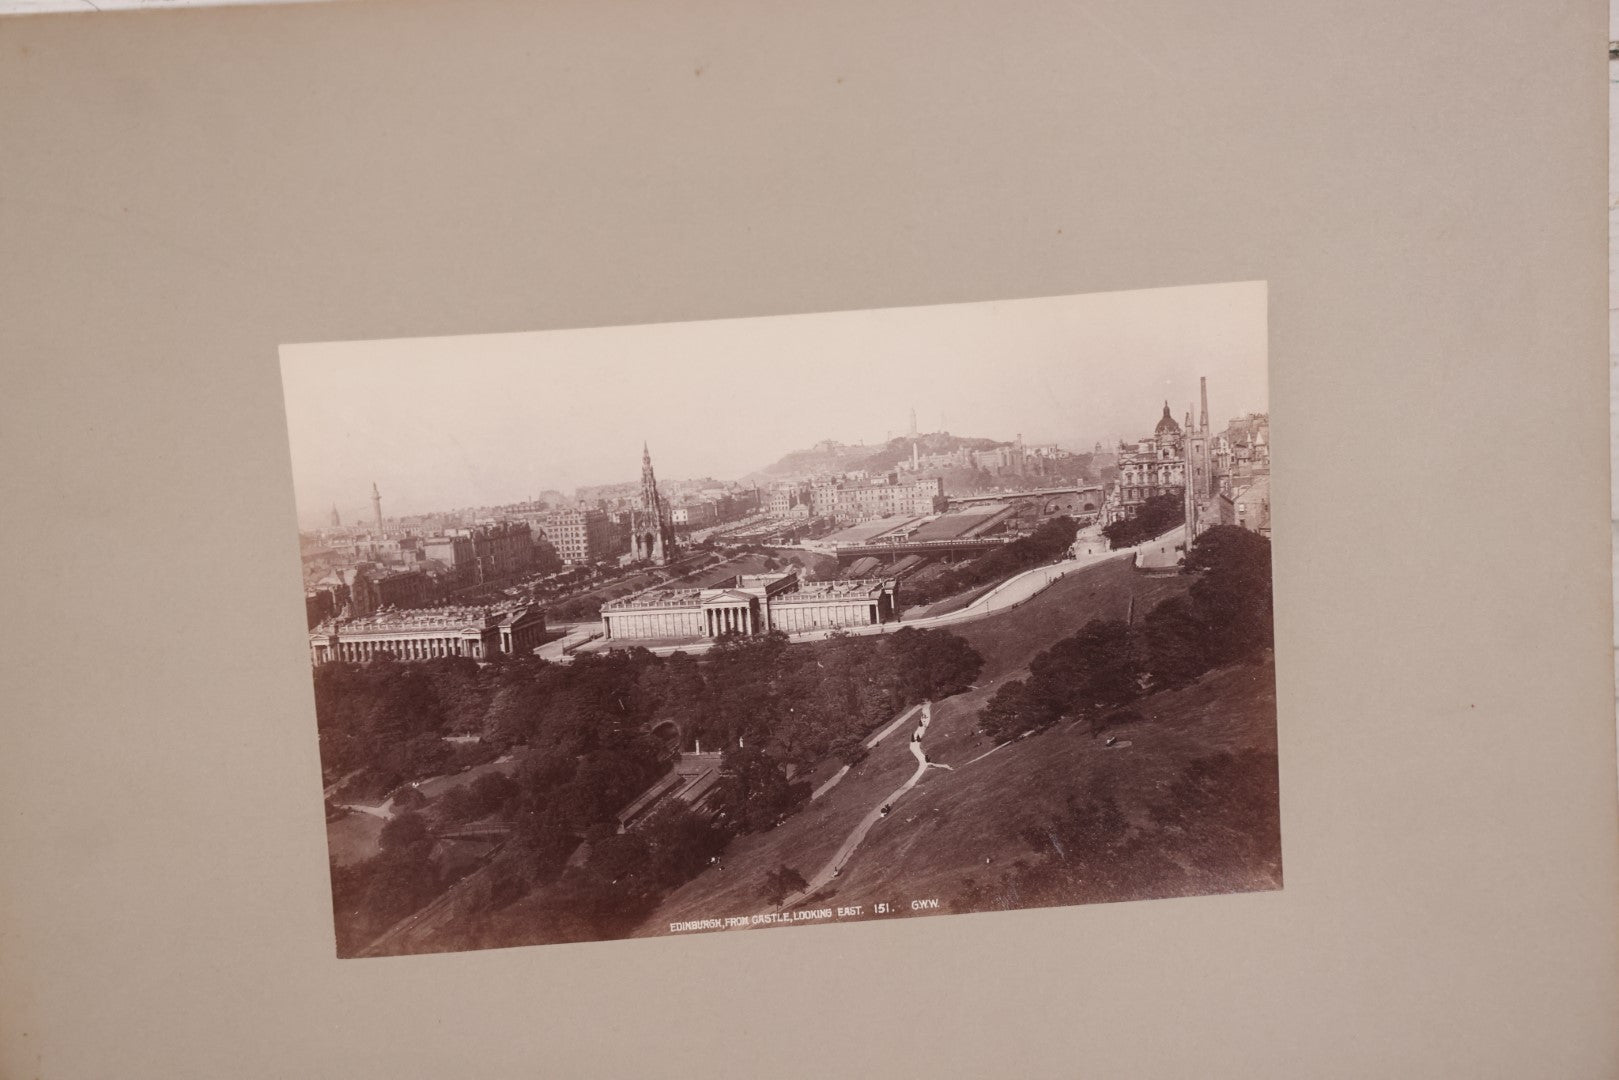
734,625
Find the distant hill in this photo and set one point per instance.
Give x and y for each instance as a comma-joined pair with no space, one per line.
835,457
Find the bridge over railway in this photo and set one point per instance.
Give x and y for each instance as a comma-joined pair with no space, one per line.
1039,493
898,548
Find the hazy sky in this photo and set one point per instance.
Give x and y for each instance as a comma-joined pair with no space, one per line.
448,422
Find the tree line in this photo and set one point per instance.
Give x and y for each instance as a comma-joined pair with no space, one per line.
1216,828
1154,517
583,734
1095,673
1046,544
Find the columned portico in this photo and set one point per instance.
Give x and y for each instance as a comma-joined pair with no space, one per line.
429,634
750,605
729,617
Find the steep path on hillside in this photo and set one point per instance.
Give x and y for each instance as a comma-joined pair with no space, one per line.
834,865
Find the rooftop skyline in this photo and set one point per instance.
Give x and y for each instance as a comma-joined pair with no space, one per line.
445,423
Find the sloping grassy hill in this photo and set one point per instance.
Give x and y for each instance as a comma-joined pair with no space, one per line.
874,457
943,830
960,818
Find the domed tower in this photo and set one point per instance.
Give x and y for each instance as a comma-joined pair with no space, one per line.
1166,425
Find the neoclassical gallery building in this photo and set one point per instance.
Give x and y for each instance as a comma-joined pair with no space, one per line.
425,633
751,604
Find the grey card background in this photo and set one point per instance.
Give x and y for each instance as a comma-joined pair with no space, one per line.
1421,186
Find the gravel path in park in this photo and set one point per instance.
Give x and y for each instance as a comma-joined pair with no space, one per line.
834,866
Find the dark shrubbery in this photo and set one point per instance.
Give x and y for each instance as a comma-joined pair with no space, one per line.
753,792
1152,518
1044,545
627,874
781,883
579,609
583,731
1093,674
1217,828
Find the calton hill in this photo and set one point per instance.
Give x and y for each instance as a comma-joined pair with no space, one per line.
1112,738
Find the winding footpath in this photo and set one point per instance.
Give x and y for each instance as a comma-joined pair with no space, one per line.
835,865
871,742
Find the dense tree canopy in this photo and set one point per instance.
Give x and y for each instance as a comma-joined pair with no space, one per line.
1047,543
1215,828
753,792
1154,517
581,748
930,665
1225,616
781,883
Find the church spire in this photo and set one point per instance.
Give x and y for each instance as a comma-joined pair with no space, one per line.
1203,420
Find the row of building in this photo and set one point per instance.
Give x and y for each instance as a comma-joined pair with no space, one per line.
362,610
363,570
379,616
849,500
585,535
473,633
377,596
495,547
366,574
750,604
1222,477
1016,460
